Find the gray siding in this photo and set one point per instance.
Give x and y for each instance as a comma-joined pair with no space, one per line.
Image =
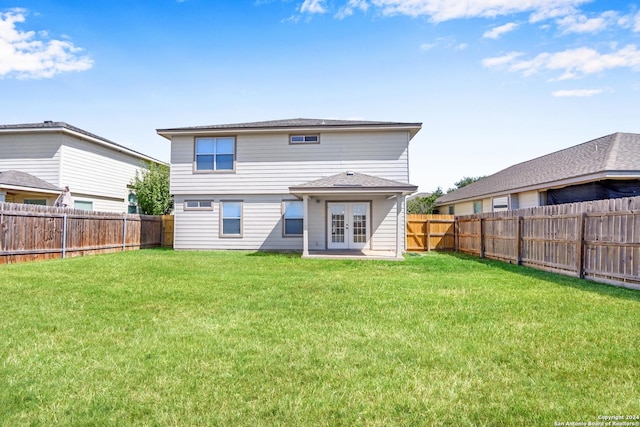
262,224
268,164
93,172
35,154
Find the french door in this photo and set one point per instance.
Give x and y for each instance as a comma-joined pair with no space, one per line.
348,225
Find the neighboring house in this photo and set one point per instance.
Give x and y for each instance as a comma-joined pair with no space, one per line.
38,160
299,184
605,168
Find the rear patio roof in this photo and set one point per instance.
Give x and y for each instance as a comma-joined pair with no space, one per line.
352,183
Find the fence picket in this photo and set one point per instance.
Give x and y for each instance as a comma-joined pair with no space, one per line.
597,240
31,232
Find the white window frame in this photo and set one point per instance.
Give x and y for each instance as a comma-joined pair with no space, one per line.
284,218
222,218
200,205
477,204
215,154
301,138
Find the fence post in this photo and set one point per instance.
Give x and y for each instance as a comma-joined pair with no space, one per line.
581,246
124,234
519,240
427,224
64,235
481,238
456,230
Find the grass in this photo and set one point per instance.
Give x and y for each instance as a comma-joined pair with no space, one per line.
157,337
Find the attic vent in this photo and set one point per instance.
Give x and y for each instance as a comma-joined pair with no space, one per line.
48,122
350,173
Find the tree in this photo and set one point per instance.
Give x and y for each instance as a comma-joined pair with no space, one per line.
464,182
424,205
151,188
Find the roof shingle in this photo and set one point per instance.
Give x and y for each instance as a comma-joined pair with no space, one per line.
23,179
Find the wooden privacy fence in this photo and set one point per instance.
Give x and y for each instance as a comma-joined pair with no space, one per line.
430,232
598,241
30,232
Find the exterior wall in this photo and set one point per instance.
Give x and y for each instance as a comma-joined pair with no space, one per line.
261,219
94,173
20,197
263,227
268,164
34,153
383,222
465,208
529,199
97,174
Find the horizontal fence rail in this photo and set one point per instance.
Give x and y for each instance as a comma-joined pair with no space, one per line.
598,240
30,232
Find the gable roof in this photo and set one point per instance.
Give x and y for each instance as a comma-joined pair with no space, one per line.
299,124
612,156
51,126
24,181
352,182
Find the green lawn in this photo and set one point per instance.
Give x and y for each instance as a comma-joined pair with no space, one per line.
157,337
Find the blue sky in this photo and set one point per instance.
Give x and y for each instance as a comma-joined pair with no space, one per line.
494,82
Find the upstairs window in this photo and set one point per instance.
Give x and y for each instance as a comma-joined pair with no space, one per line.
304,139
215,154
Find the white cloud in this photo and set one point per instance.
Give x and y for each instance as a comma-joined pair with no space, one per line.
576,92
582,24
443,10
350,7
427,46
573,63
500,61
23,55
496,32
313,6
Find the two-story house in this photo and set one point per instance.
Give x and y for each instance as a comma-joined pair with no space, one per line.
301,184
39,160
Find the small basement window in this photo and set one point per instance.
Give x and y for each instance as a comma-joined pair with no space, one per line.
304,139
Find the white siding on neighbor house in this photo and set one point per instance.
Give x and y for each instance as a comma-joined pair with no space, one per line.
98,174
263,228
268,164
35,154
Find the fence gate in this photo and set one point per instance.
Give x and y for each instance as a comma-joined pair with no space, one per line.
430,232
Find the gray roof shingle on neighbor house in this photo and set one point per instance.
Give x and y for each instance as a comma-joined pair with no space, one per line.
353,181
610,155
53,126
292,124
23,179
